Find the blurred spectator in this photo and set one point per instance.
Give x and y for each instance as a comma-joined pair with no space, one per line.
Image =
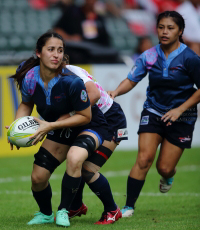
163,5
190,12
131,4
141,22
82,23
41,4
144,44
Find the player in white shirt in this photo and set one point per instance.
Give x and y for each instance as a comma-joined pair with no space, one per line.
118,130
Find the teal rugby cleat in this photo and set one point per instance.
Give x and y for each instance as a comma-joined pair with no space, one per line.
41,218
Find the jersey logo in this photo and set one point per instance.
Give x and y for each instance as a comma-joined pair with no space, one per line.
144,120
176,68
60,97
122,133
84,96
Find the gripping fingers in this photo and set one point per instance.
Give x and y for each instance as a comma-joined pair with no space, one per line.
37,138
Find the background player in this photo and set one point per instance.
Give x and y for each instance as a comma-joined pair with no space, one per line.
170,110
117,126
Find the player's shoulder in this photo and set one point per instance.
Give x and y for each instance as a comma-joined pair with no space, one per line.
149,56
32,73
70,78
190,56
189,53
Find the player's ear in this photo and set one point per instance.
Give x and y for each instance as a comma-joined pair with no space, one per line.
37,54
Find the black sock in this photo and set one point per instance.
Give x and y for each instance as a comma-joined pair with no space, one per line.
43,199
78,199
102,189
69,189
134,188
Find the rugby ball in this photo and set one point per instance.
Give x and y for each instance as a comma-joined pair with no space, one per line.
21,130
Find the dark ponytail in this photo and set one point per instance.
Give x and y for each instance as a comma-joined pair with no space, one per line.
27,65
177,18
23,69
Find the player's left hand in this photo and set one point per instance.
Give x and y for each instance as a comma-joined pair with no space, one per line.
44,128
11,145
171,116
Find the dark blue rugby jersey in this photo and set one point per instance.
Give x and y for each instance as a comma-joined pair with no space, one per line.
63,95
171,81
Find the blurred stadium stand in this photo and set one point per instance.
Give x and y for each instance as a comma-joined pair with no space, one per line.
20,27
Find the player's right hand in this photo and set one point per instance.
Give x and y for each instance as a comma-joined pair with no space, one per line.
11,145
112,94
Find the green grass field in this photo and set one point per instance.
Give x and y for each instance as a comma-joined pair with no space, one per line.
178,209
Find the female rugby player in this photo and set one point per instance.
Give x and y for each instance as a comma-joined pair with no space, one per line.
170,110
45,82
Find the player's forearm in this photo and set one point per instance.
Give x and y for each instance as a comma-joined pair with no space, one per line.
74,121
125,86
191,102
24,109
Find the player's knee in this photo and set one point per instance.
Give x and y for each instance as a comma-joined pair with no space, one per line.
144,160
74,161
164,170
38,178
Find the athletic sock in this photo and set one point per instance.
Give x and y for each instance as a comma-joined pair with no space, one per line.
102,189
69,189
78,199
134,188
43,199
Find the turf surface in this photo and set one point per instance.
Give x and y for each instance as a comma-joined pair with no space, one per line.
178,209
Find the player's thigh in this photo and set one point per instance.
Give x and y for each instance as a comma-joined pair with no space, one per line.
147,146
110,145
58,150
169,155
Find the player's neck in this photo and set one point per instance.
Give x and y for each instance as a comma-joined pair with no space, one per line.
46,74
168,49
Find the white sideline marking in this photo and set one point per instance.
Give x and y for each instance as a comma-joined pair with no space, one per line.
187,168
152,194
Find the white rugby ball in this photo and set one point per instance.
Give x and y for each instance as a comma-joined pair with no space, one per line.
21,130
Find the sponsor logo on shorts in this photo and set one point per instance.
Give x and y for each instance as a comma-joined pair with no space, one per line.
122,133
144,120
51,132
83,96
184,139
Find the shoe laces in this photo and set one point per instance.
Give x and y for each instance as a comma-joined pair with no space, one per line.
38,213
64,214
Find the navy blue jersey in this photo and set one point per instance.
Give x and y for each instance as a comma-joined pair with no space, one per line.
171,80
63,95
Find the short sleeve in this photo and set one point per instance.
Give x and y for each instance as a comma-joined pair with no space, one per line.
78,95
139,70
26,97
193,69
82,73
